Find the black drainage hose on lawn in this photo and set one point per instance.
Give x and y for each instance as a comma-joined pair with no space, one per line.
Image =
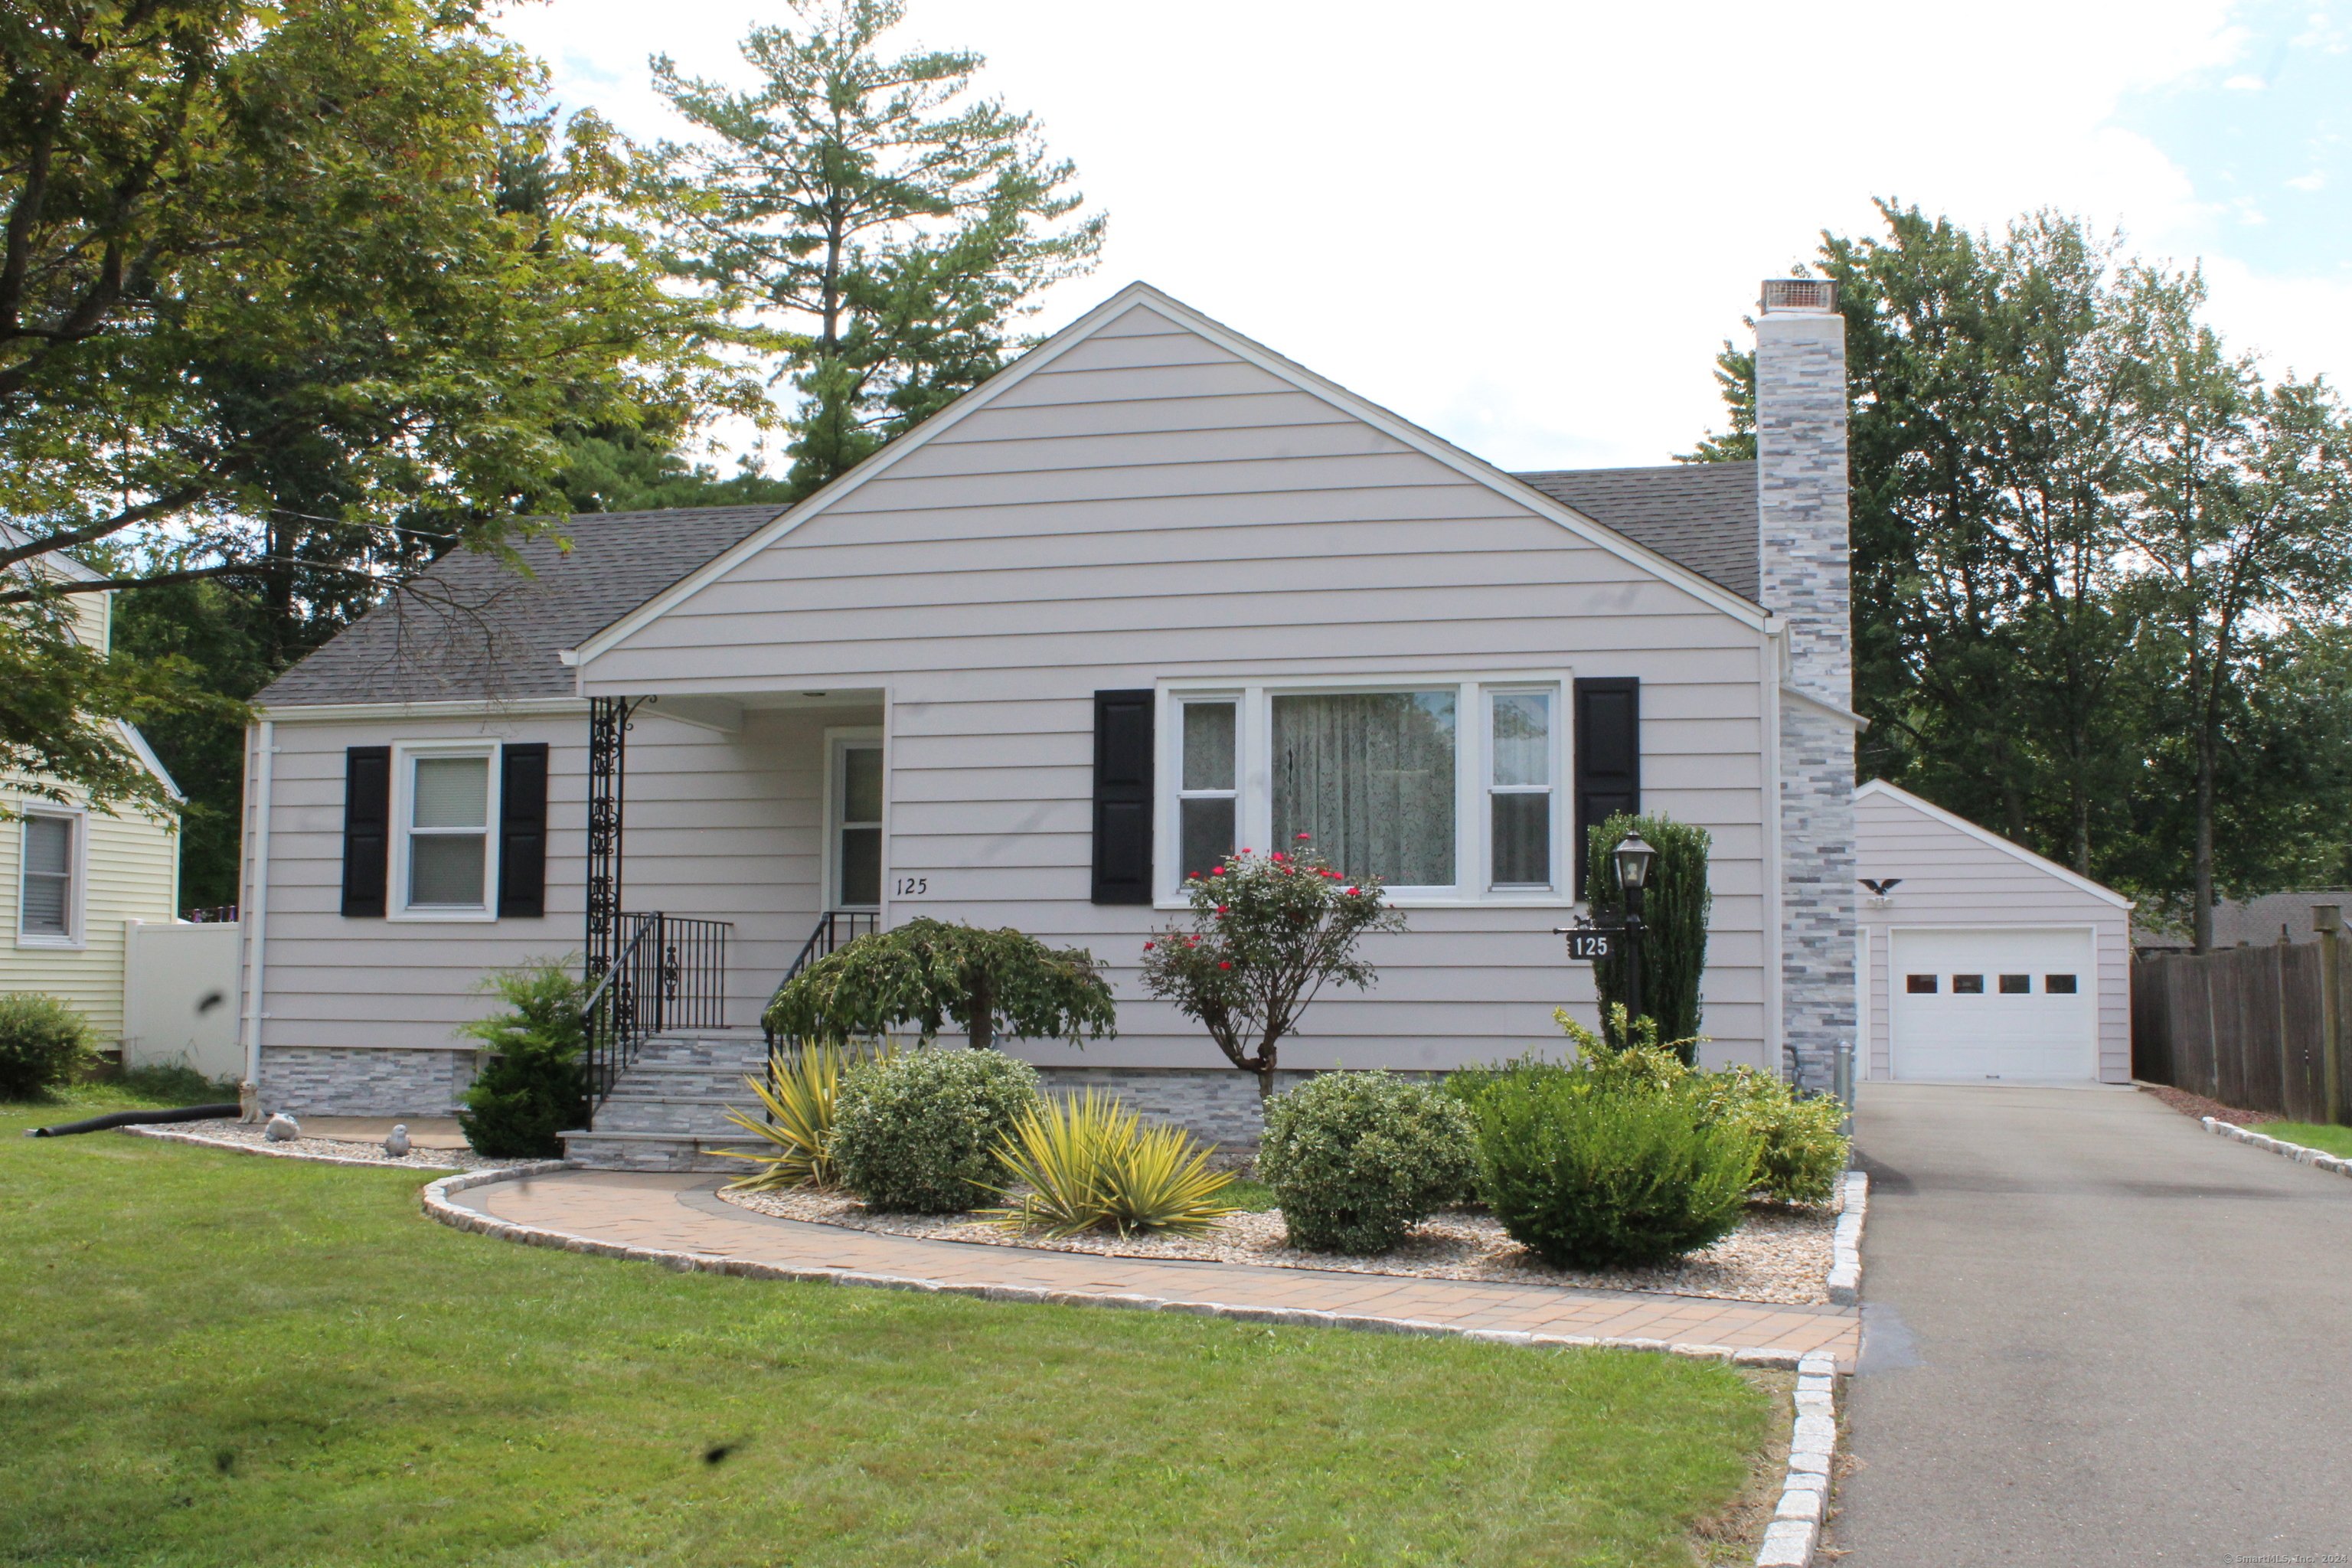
136,1118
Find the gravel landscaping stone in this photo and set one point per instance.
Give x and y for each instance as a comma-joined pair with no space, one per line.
1781,1255
233,1134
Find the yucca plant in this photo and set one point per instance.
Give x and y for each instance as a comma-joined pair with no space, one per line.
1091,1163
799,1120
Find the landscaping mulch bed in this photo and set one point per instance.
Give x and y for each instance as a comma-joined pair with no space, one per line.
238,1134
2197,1105
1779,1255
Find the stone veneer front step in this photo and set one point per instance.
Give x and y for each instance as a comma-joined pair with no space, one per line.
668,1110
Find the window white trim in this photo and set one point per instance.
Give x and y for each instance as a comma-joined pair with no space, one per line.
405,755
1474,762
838,740
77,931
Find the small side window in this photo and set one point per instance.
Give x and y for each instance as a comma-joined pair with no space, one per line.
2058,984
1919,984
2017,985
1967,984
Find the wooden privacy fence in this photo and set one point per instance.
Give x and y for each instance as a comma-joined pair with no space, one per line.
2248,1027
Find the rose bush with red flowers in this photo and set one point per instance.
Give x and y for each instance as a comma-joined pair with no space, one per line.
1268,932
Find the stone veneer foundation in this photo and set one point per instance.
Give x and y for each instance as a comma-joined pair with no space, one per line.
341,1080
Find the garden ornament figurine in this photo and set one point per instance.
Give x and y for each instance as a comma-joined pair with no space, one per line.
282,1129
397,1144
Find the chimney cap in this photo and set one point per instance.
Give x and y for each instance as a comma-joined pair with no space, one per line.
1809,296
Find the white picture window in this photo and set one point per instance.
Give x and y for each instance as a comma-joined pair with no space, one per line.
48,895
1445,791
447,812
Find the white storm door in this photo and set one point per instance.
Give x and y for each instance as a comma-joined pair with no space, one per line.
1995,1005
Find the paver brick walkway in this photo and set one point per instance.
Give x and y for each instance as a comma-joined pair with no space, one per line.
682,1212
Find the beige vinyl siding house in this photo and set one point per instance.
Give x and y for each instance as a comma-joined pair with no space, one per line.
1982,960
73,877
957,683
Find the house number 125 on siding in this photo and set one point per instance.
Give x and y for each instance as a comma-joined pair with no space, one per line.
910,886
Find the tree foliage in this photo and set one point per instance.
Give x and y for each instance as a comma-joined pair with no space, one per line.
868,221
270,312
927,971
2098,558
1268,932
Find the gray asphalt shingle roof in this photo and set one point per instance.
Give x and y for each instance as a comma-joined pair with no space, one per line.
471,628
1699,515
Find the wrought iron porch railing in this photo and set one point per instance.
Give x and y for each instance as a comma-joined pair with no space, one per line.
670,972
836,928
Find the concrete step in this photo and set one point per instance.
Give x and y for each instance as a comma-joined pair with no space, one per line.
655,1151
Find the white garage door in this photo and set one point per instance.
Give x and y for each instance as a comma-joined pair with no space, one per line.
2001,1004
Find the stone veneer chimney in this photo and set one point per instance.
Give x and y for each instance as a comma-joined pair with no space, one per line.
1800,478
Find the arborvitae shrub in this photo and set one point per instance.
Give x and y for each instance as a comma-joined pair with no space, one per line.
534,1084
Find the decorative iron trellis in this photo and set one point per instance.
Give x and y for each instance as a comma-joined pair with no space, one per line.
608,749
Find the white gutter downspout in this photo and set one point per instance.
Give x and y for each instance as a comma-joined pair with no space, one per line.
256,924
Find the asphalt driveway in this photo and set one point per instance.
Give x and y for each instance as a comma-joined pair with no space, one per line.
2094,1333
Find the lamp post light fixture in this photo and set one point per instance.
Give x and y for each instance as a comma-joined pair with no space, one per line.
1633,856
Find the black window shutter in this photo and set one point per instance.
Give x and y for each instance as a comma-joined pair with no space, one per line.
367,828
1608,758
1123,768
522,830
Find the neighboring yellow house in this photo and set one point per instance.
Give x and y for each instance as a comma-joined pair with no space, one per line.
73,879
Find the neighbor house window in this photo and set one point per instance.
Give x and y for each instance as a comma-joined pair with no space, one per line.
445,809
1444,790
48,901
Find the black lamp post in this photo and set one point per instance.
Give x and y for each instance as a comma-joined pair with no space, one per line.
1634,858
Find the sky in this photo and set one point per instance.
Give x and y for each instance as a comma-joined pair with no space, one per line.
1530,227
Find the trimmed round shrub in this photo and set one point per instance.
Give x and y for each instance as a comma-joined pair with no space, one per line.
1358,1159
43,1044
920,1131
1591,1180
1799,1148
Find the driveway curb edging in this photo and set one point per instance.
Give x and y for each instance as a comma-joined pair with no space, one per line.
1845,1242
2301,1153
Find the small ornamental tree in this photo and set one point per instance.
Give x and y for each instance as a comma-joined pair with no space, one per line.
927,971
1268,932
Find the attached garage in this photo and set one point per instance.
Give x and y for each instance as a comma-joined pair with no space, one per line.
1982,962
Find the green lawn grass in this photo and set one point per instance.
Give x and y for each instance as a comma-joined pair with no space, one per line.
209,1358
2311,1135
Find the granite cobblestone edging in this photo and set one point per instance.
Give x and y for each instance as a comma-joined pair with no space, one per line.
1790,1539
2301,1153
1845,1243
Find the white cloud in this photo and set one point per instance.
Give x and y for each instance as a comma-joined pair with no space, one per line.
1527,225
2314,181
2245,84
